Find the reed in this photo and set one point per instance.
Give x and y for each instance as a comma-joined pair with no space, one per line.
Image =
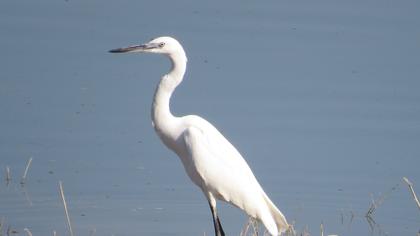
63,199
8,176
28,164
378,201
27,231
410,186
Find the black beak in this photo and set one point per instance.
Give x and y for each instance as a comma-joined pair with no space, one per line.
135,48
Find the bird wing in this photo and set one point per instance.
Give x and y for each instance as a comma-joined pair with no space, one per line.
218,164
219,169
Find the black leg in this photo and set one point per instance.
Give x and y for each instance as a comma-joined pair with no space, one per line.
222,233
218,230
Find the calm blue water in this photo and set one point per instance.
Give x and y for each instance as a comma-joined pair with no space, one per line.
322,98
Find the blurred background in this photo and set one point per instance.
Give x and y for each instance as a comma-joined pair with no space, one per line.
320,97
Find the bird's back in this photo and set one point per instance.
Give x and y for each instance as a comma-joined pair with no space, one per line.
218,167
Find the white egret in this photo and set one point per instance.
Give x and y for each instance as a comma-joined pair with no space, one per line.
209,159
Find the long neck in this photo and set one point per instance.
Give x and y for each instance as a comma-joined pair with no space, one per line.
161,113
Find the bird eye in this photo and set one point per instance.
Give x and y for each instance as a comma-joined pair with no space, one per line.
161,44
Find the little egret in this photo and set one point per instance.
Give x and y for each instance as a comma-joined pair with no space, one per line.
209,159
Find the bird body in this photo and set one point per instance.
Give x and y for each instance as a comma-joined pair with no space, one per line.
209,159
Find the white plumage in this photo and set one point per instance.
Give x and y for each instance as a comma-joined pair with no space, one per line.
209,159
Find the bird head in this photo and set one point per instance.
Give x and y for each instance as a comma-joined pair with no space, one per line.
162,45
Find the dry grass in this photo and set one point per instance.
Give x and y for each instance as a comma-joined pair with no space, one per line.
8,176
251,228
410,186
63,199
28,164
27,231
378,201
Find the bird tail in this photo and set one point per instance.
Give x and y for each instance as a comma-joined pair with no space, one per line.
280,220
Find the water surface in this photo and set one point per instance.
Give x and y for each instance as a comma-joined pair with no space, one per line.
320,97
